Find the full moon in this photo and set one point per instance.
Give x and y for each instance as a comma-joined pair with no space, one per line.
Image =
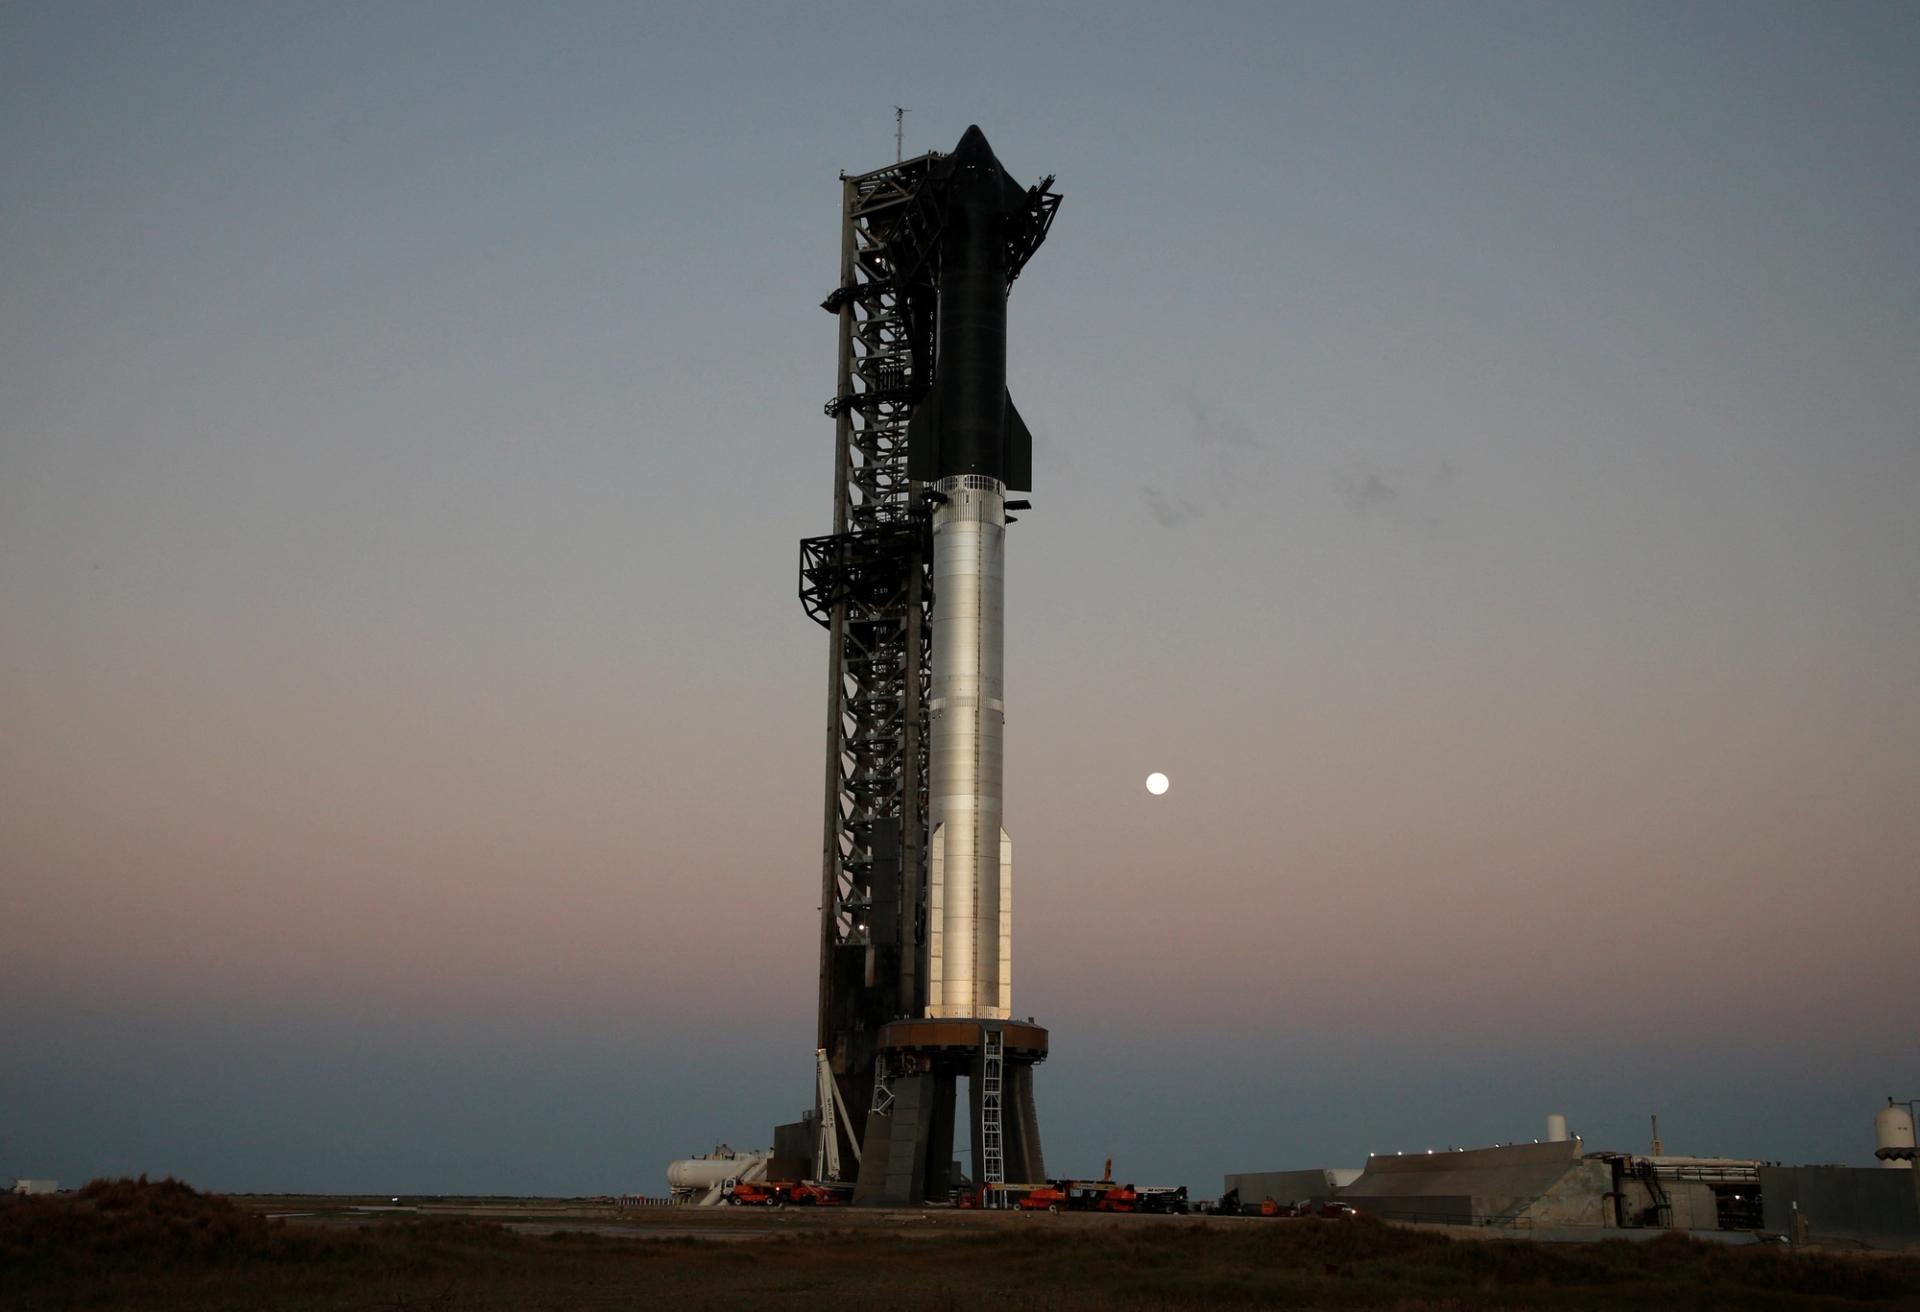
1156,783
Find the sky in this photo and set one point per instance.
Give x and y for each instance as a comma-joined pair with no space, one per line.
1476,455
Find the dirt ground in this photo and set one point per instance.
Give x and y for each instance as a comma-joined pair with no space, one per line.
137,1246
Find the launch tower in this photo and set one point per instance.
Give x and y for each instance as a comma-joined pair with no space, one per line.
916,873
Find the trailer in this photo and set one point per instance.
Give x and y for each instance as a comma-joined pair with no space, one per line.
1164,1200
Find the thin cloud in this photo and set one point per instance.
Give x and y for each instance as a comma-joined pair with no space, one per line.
1216,476
1171,511
1368,491
1408,492
1210,427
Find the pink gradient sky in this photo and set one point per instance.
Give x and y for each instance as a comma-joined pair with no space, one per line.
1493,507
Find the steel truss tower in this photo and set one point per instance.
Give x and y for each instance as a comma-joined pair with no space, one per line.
870,585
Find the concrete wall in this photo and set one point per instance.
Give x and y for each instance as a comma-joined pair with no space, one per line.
795,1140
1435,1209
1694,1205
1867,1207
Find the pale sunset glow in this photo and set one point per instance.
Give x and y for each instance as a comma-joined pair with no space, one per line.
1475,455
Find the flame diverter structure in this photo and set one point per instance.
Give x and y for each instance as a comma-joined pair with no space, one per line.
916,972
970,857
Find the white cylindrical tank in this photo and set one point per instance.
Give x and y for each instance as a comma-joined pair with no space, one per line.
1893,1131
706,1172
1556,1128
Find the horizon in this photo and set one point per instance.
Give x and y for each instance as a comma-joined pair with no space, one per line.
1475,455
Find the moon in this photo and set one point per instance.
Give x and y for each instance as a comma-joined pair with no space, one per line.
1157,783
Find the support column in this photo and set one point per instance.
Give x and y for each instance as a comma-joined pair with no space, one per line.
906,1159
1025,1164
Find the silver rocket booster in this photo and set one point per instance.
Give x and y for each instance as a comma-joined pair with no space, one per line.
970,875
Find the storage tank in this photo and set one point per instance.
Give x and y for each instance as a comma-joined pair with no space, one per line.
1893,1132
699,1179
706,1172
1556,1128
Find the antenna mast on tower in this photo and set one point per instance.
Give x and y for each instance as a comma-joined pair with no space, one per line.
900,113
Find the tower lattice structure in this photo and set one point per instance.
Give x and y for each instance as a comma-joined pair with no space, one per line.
869,584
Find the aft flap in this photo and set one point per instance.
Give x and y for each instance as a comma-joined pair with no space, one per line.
1016,453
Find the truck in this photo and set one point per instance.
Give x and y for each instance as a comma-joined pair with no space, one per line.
1229,1204
757,1193
1164,1200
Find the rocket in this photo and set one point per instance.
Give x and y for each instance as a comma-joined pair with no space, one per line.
968,445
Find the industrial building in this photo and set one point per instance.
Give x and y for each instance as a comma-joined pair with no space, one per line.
1556,1189
1559,1184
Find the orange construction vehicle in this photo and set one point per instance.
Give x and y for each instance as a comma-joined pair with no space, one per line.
1081,1196
1048,1197
820,1193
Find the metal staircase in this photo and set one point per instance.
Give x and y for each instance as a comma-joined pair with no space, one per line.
993,1165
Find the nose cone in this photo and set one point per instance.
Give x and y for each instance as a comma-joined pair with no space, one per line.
973,144
973,150
972,176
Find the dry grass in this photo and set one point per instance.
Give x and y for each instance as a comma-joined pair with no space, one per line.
135,1245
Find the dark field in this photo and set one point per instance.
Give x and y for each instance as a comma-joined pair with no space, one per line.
134,1245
